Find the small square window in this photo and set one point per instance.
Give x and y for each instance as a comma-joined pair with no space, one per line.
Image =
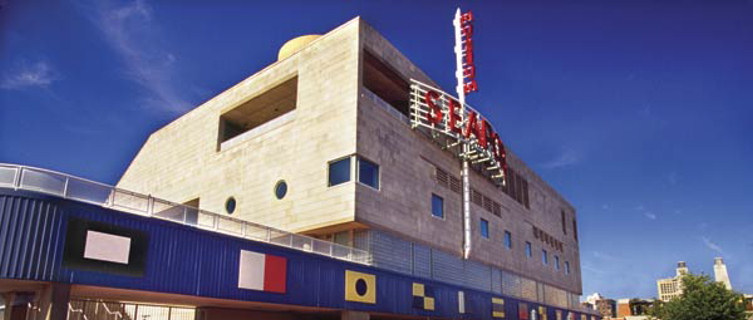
544,257
508,239
368,173
339,172
557,262
437,206
484,228
529,251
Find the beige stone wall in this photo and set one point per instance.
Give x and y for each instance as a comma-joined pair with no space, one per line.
181,162
336,117
403,203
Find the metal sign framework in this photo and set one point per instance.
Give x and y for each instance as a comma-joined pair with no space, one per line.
457,126
455,136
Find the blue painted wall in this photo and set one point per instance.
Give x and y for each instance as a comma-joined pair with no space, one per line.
186,260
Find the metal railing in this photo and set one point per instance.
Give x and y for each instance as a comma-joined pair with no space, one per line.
87,191
112,310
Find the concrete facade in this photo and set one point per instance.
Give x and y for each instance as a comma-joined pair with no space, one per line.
336,116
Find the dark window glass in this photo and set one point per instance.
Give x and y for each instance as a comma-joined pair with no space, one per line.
230,205
281,189
368,173
484,228
529,251
564,225
567,267
437,206
544,257
339,172
557,262
575,230
508,240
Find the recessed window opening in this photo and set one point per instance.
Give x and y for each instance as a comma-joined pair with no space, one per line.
437,206
529,250
261,109
230,205
339,172
281,189
385,82
484,226
508,239
544,257
368,173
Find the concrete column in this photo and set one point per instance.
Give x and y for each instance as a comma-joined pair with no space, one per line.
17,305
354,315
60,296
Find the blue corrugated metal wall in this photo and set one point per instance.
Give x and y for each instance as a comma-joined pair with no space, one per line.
187,260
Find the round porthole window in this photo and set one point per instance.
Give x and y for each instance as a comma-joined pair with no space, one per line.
230,205
281,189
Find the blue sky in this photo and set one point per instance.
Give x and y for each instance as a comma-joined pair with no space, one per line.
639,112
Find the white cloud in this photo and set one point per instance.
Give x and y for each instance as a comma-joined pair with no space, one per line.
713,246
131,32
650,215
39,74
566,158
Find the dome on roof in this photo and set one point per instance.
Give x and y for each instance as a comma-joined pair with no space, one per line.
294,45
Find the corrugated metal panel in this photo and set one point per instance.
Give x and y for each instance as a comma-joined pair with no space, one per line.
185,260
30,236
390,252
512,285
477,275
422,261
447,267
496,281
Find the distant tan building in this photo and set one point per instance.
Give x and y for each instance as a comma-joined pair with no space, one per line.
320,143
720,273
671,288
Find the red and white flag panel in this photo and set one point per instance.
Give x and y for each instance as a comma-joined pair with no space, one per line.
263,272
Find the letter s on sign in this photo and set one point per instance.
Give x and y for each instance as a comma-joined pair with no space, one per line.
435,115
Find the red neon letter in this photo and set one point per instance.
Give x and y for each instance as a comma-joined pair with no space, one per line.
467,31
470,86
469,72
470,125
466,17
453,117
435,115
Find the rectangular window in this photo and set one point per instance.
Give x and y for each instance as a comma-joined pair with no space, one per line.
544,257
575,230
339,172
557,262
508,239
567,267
259,110
529,250
437,206
484,228
386,83
368,173
564,225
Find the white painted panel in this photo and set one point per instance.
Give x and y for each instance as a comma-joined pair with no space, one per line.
251,272
107,247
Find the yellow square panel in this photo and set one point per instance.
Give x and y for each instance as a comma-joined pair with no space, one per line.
360,287
429,303
418,289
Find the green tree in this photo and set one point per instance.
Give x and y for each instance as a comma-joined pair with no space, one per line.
702,299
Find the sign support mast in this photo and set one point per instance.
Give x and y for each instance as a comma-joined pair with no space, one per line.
467,235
